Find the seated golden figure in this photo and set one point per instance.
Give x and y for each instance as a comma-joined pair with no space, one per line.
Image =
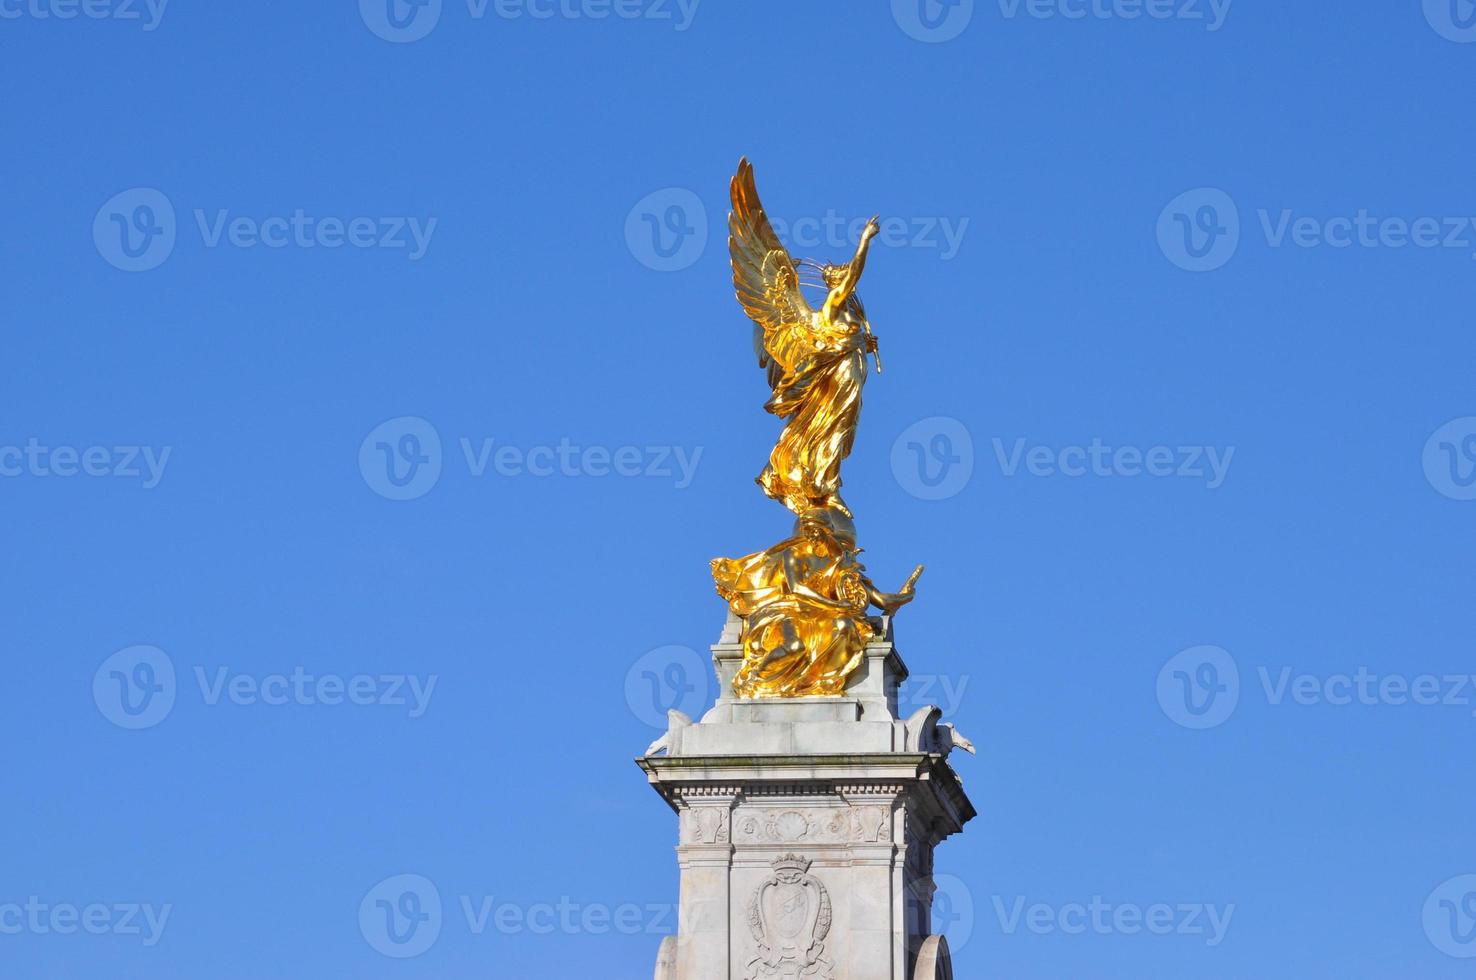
804,602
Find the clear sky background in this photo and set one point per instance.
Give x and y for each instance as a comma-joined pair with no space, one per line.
574,291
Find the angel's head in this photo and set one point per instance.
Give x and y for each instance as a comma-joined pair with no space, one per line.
834,275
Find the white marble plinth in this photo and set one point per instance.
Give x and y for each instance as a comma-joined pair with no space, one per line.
807,828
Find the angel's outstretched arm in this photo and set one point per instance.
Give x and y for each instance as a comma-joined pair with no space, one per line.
843,290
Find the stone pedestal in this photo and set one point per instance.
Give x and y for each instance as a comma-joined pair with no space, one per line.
807,828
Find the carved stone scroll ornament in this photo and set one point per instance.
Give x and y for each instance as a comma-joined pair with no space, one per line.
789,916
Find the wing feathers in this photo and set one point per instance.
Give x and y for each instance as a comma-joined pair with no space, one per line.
764,275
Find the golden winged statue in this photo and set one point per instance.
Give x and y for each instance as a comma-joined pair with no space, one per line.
804,601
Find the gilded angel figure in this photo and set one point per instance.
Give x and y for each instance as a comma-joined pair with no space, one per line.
804,601
816,359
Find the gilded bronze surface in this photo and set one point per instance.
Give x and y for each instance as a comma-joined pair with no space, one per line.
804,601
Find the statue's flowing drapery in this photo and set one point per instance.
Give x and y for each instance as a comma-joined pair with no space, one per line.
821,403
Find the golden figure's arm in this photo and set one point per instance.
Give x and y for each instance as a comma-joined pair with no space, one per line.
890,602
852,276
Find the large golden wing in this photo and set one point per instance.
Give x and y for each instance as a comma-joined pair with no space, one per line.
765,278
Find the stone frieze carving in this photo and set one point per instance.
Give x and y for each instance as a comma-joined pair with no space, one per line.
705,825
817,825
871,823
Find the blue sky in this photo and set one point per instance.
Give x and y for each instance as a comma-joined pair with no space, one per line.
1174,301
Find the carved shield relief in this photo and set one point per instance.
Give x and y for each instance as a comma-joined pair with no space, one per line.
789,915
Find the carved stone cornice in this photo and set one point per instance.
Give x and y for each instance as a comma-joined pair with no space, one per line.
936,803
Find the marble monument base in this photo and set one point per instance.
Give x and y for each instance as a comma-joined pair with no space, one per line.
807,828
